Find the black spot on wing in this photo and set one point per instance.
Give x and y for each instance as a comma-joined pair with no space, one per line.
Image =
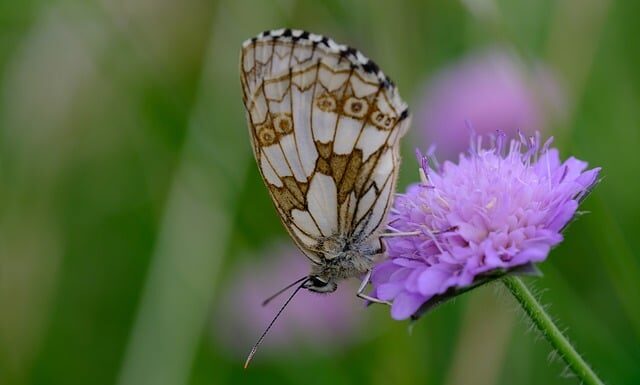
370,67
350,51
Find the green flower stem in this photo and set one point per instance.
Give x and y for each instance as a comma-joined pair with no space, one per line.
545,325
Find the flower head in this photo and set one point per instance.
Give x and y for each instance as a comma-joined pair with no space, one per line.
498,209
493,90
324,322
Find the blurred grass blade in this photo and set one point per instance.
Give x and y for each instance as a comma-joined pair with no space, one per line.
621,265
603,347
572,57
195,229
485,332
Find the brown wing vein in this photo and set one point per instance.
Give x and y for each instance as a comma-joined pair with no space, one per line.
367,214
355,212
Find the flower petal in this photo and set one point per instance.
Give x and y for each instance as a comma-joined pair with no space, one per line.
431,280
534,252
563,216
405,304
389,291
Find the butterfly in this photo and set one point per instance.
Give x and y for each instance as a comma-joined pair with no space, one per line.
325,124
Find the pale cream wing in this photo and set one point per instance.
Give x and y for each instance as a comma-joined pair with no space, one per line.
325,124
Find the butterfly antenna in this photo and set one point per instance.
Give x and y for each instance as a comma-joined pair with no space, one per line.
255,347
289,286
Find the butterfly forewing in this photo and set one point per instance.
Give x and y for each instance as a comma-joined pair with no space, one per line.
324,123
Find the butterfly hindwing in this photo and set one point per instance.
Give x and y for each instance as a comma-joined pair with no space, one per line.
324,124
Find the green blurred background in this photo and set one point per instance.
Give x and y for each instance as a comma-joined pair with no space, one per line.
128,191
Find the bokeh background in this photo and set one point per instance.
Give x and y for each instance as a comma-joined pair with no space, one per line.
133,217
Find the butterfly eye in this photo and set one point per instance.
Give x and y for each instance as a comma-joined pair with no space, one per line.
320,285
283,123
326,103
356,107
317,281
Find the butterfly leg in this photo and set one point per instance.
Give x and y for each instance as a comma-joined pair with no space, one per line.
400,234
363,285
383,247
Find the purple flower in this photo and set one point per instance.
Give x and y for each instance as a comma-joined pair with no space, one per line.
492,91
324,322
487,215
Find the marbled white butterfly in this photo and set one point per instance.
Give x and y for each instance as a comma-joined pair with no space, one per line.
325,124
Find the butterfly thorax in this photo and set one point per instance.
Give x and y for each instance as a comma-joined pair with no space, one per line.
340,260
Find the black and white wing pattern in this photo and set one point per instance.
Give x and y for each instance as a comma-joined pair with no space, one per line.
325,123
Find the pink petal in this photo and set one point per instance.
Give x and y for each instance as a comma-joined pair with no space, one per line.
405,305
388,291
430,281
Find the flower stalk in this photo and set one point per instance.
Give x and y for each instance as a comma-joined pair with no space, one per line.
543,322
